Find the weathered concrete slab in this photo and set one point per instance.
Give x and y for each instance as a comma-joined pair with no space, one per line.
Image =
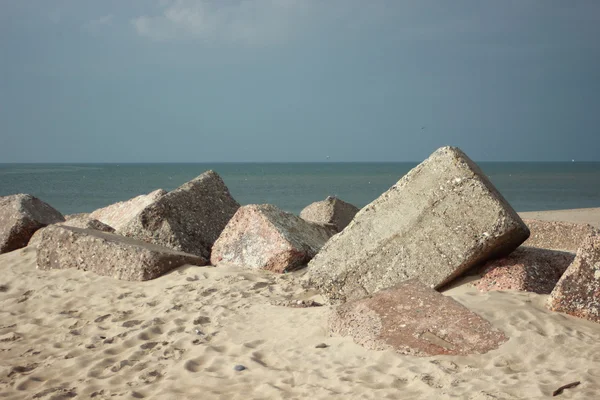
578,291
437,222
557,235
107,254
85,222
526,269
413,319
189,218
80,221
265,237
331,211
20,216
120,214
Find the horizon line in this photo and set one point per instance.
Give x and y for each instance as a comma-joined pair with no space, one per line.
273,162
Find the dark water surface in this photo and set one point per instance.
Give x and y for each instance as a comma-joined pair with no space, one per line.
73,188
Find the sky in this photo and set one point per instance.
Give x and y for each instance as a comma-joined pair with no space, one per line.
298,80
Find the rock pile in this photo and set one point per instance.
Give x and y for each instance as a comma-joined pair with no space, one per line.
384,262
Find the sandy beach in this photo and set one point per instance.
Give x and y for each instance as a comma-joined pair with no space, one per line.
72,334
580,215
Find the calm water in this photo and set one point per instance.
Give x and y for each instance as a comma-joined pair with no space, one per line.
73,188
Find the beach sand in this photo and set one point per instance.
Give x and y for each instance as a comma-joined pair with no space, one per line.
580,215
71,334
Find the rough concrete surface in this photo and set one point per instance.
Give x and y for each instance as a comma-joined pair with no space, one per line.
413,319
578,291
189,218
437,222
265,237
107,254
20,216
330,211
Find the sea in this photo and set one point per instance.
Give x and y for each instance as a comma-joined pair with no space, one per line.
79,188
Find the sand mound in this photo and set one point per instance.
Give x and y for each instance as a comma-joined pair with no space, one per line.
72,334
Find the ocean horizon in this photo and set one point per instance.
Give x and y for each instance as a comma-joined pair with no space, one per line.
84,187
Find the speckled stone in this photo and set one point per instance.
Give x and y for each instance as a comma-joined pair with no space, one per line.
436,223
266,237
86,222
578,291
20,216
330,211
189,218
527,269
557,235
120,214
107,254
413,319
82,221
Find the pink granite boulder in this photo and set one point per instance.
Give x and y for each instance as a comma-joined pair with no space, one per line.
557,235
527,269
265,237
189,218
578,291
331,211
414,319
120,214
107,254
20,216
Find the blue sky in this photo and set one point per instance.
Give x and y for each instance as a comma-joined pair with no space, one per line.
298,80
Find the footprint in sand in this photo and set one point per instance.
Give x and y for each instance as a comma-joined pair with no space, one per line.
131,323
63,393
102,318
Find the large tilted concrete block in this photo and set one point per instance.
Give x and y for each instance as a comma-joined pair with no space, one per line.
20,216
437,222
107,254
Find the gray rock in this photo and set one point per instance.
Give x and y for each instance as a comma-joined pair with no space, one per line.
20,216
330,211
577,292
557,235
107,254
437,222
413,319
120,214
265,237
189,219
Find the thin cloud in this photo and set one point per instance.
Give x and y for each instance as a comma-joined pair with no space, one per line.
95,25
250,22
